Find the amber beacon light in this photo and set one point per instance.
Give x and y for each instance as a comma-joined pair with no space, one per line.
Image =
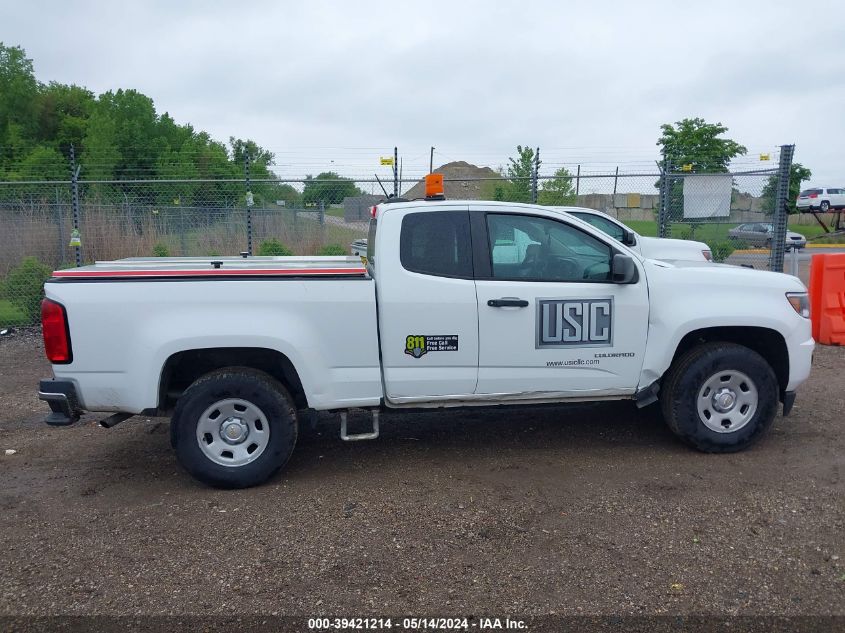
434,187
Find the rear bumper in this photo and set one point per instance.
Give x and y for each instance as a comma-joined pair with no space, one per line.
64,404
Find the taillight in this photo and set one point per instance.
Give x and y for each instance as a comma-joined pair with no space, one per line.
708,255
56,334
814,195
373,211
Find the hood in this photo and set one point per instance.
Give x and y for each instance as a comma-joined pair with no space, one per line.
708,274
672,249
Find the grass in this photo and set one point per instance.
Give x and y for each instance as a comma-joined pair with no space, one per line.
711,233
10,314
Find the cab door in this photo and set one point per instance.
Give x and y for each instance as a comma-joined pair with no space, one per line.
427,307
551,322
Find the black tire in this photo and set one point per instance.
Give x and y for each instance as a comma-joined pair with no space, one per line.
259,390
824,207
685,380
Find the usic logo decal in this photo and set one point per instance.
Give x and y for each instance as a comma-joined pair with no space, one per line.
574,322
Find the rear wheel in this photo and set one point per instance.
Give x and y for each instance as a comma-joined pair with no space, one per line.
234,428
720,397
824,207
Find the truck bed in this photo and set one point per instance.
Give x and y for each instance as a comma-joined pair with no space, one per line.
128,317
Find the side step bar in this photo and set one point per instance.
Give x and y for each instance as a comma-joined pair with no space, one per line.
346,437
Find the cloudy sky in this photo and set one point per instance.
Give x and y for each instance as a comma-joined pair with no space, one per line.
589,83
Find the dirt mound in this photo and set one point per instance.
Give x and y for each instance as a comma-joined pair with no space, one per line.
460,181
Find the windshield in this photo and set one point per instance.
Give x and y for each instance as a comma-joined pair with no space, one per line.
602,224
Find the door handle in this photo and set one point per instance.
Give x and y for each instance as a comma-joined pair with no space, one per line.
507,302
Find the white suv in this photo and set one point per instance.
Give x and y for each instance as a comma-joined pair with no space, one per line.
822,198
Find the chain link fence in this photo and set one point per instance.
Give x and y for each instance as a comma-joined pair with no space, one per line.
56,224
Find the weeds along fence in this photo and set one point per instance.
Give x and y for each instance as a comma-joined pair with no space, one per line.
49,225
45,226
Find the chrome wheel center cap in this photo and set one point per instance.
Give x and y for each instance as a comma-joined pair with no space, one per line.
724,400
233,431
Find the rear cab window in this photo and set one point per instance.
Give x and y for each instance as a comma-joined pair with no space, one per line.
436,243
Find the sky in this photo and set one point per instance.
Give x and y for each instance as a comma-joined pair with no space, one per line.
335,85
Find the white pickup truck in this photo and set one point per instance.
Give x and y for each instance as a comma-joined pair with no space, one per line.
663,248
457,304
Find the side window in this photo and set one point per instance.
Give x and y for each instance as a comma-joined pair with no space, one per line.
602,224
524,247
436,243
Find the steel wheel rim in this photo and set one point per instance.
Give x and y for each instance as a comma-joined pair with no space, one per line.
233,432
727,401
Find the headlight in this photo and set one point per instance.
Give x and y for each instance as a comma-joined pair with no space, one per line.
800,302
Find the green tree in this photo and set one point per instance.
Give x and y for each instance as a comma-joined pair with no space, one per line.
696,142
329,187
43,163
259,158
559,190
519,172
18,89
62,113
797,174
120,136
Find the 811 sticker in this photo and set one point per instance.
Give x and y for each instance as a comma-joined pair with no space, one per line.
418,345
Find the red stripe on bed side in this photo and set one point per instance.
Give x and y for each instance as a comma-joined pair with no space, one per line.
211,273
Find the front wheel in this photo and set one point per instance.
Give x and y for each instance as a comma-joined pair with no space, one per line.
720,397
234,428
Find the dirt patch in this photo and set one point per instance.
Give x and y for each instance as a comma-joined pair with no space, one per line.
462,181
567,510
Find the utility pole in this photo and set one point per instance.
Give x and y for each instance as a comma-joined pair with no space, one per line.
431,161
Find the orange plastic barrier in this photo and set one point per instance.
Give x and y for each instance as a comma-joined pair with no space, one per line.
827,298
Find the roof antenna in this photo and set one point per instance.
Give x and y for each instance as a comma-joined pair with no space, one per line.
378,180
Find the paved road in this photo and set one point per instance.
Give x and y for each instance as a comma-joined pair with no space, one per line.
799,268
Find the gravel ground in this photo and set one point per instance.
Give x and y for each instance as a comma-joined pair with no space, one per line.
582,510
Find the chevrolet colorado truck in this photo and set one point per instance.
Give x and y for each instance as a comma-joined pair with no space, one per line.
456,304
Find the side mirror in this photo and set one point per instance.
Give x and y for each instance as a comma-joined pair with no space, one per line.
629,238
623,270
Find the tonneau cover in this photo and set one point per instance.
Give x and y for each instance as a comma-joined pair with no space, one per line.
169,267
